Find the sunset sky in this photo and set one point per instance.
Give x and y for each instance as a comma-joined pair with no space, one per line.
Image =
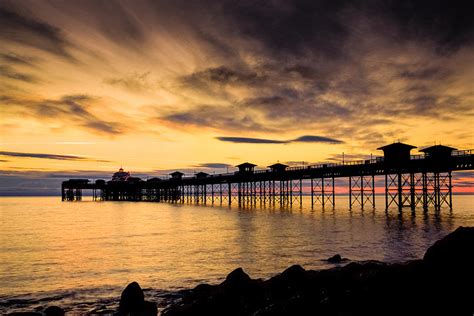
155,86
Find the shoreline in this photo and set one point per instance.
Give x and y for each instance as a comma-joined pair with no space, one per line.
438,284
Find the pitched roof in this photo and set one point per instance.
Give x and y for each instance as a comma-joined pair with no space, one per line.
397,145
278,165
437,148
246,164
176,173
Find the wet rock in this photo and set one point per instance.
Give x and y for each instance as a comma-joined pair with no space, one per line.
336,259
25,314
132,298
132,302
54,311
454,250
237,279
359,288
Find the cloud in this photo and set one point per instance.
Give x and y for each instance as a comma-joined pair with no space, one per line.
135,82
12,58
74,109
220,117
301,139
29,31
248,140
48,156
10,73
317,139
222,75
368,70
213,165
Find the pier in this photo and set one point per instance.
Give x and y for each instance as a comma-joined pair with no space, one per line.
423,180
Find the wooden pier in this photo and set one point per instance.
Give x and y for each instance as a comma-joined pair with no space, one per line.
410,181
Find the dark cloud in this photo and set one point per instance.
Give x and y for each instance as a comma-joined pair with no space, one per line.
12,58
135,82
428,73
223,75
448,24
27,30
317,139
69,108
214,116
291,27
301,139
10,73
47,156
213,165
248,140
118,22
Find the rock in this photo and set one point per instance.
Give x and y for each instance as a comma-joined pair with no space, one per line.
237,278
132,298
336,259
54,311
25,314
456,250
132,302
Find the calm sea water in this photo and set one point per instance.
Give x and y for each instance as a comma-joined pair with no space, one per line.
80,255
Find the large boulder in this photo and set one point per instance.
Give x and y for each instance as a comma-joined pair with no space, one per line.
456,250
54,311
132,302
237,280
336,259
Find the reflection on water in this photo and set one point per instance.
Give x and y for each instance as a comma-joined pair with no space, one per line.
97,248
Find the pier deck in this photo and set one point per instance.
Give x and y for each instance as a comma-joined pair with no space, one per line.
410,181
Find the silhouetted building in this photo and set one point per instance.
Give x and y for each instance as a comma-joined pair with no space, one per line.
154,180
246,167
438,151
133,179
78,181
396,152
278,167
201,175
120,175
176,175
100,182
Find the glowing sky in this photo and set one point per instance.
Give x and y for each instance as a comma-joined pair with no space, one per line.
87,86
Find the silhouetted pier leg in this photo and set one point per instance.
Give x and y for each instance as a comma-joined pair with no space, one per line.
322,193
362,190
301,192
229,186
450,190
78,194
63,193
312,193
350,192
373,191
400,192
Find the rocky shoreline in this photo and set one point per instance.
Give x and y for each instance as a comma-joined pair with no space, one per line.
439,284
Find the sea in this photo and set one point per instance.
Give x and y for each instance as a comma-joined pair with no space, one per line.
81,255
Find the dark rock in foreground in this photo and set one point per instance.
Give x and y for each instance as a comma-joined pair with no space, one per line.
440,284
132,302
54,311
336,259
